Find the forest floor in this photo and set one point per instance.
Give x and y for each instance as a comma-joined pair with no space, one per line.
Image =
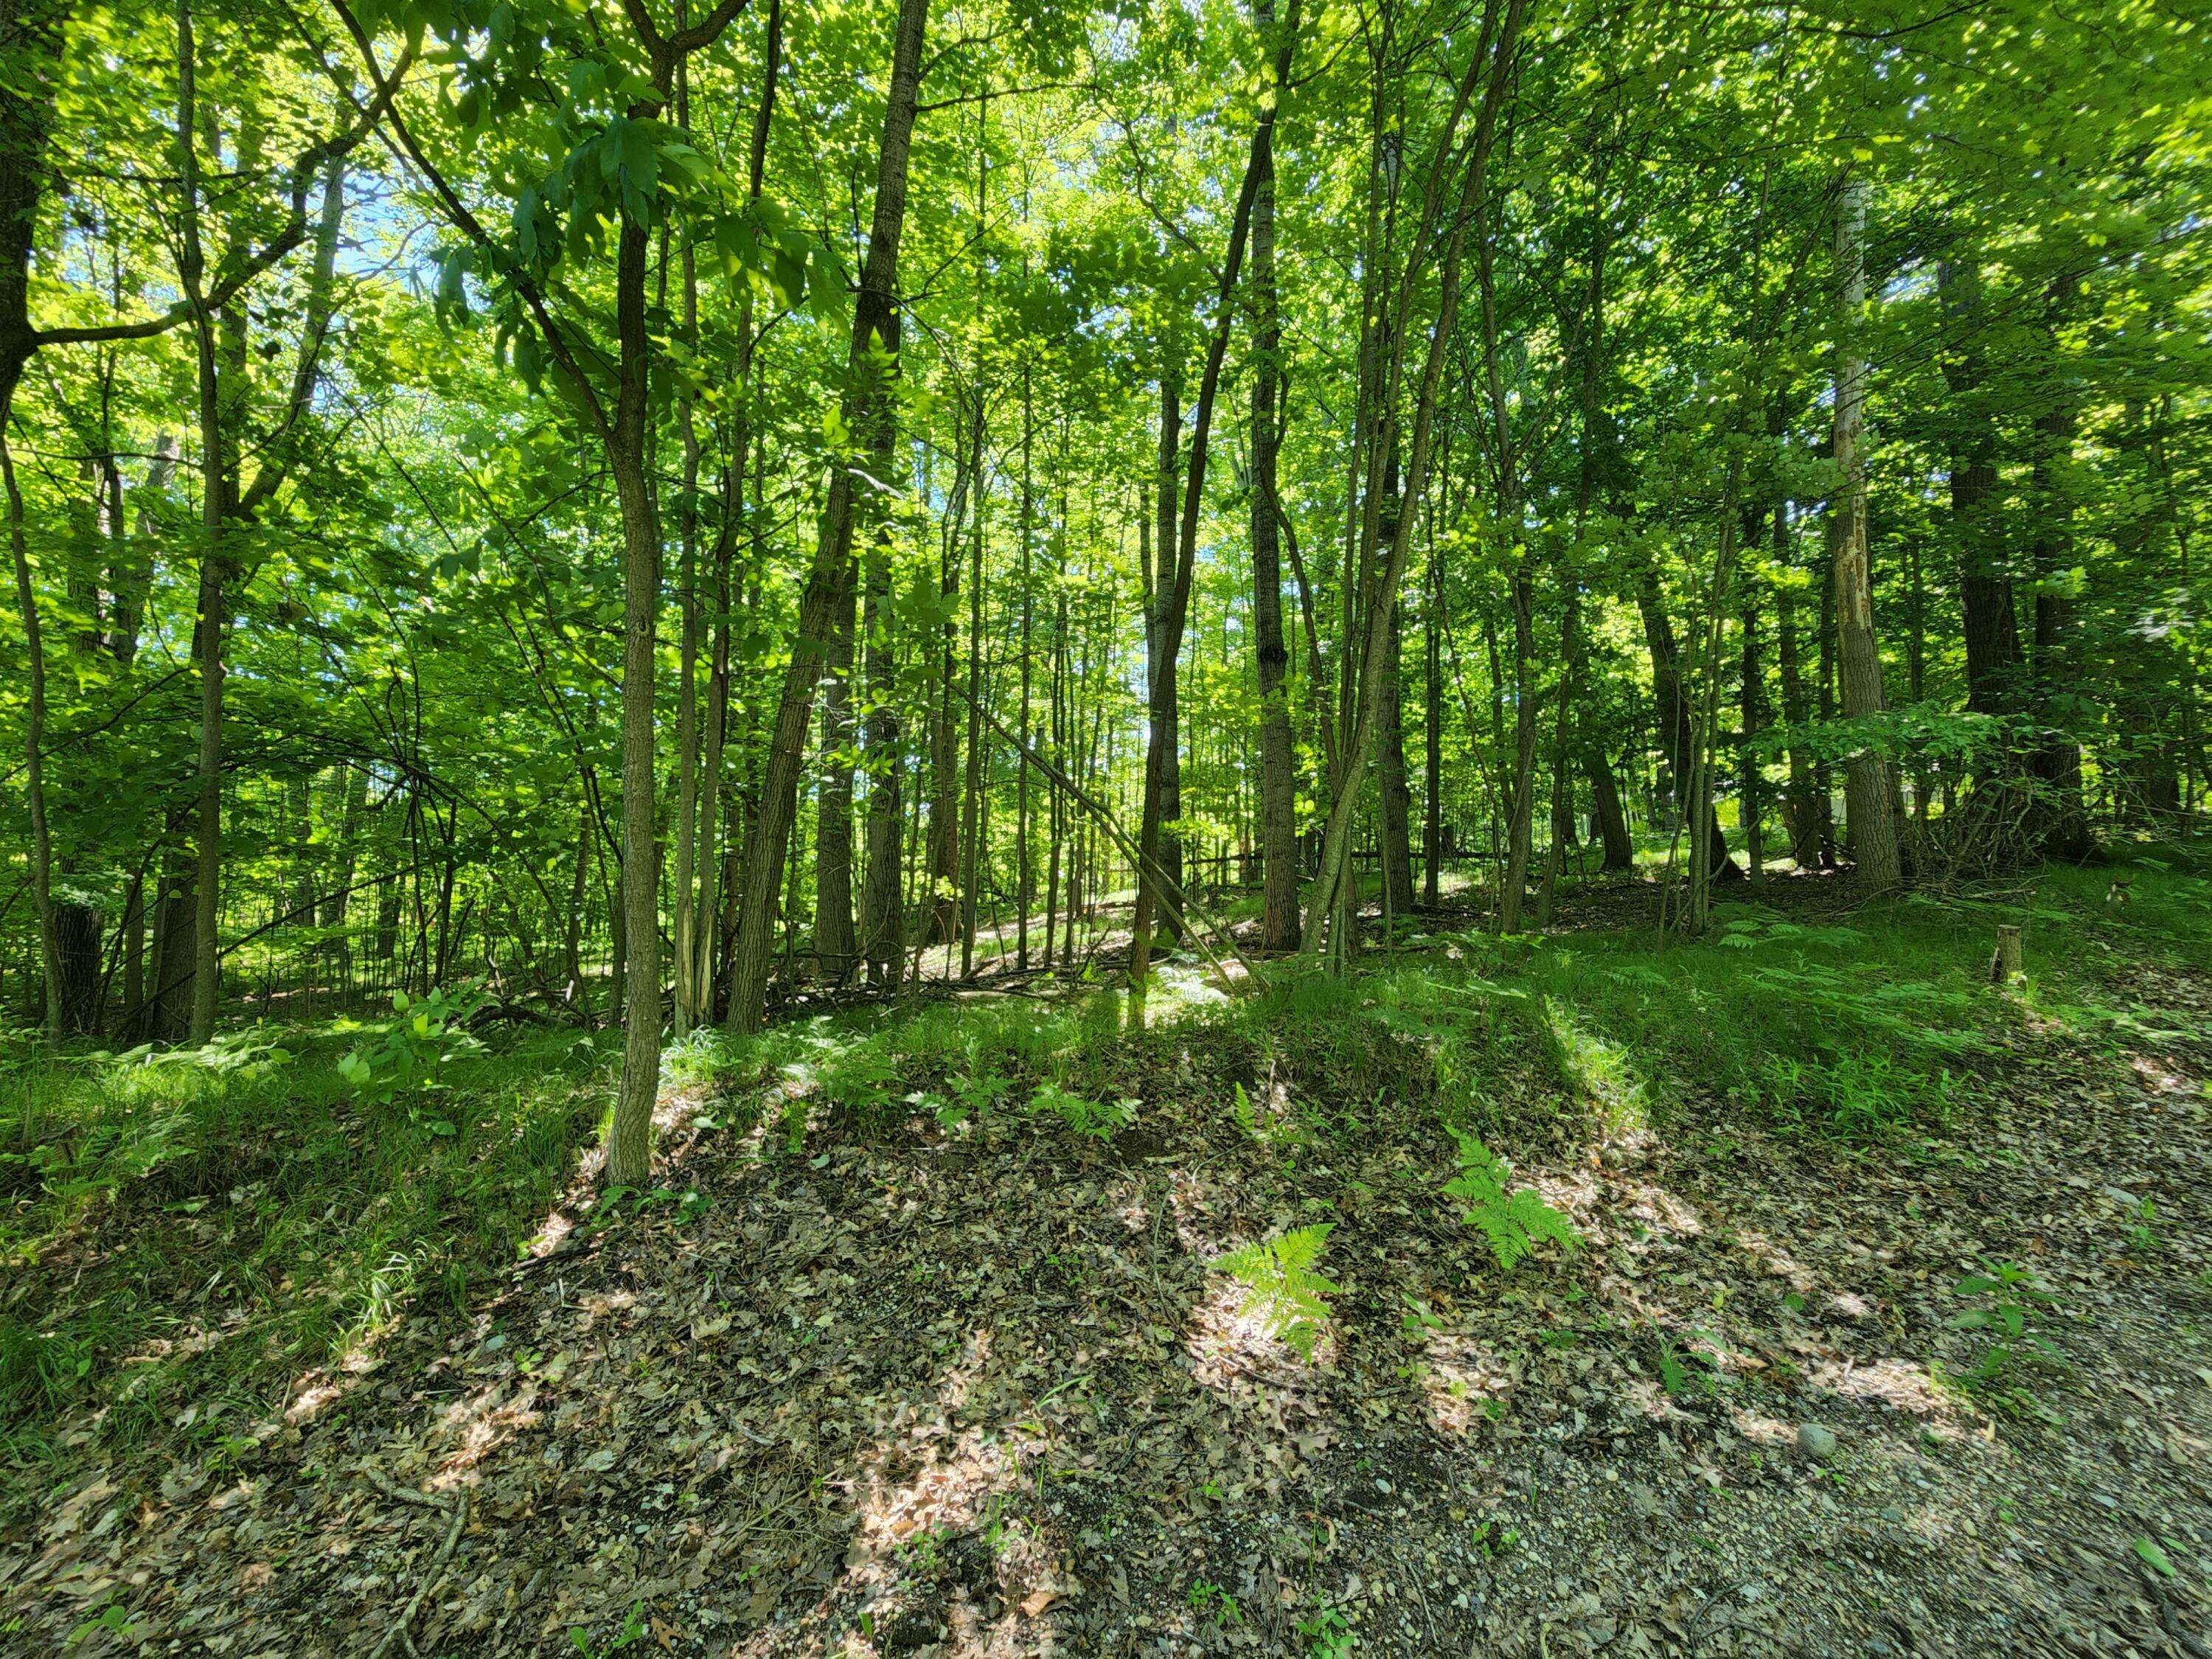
924,1347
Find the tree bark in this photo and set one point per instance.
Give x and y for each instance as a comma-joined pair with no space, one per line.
1991,625
1432,708
835,947
1279,856
1611,822
2062,822
1496,50
882,901
1752,788
868,403
1870,777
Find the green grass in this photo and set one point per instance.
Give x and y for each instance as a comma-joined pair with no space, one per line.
1859,1027
192,1231
181,1237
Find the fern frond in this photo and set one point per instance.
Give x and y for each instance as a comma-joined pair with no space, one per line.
1283,1290
1514,1222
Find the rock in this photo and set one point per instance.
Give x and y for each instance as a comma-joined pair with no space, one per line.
1816,1442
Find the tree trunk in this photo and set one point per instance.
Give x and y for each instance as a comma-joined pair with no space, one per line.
835,949
1611,822
1521,802
882,903
2062,822
1992,630
1674,713
1025,590
1278,857
868,402
685,1002
34,720
214,491
1161,760
1800,817
1870,777
1563,776
1495,52
1393,796
971,799
32,33
1160,867
716,845
1753,811
941,852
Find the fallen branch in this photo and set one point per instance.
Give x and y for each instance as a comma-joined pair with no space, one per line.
384,1483
1161,884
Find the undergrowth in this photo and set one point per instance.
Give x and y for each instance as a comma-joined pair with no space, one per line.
200,1226
184,1233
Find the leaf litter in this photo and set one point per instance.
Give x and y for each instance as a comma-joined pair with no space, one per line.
990,1393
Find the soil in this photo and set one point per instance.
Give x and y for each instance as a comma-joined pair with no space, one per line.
986,1393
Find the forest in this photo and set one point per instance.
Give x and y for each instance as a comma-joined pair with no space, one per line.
1318,827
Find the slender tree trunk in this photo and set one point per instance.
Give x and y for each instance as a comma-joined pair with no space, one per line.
1158,578
1800,814
835,947
1521,802
1753,786
215,490
1563,776
686,1008
1495,52
1160,867
1026,520
1278,857
1521,812
971,803
715,843
881,903
1869,775
35,728
941,924
31,30
868,402
1991,626
1916,672
1432,708
2057,764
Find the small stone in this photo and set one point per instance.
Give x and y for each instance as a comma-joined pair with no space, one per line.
1816,1442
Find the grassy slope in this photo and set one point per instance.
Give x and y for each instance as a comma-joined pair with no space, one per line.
184,1238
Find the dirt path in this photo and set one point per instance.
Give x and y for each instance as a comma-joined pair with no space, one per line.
986,1396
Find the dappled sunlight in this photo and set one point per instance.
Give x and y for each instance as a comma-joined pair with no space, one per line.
1231,1345
1605,1072
1895,1383
885,1383
1464,1381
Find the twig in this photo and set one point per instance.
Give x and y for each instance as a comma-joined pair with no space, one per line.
384,1483
1420,1594
1690,1636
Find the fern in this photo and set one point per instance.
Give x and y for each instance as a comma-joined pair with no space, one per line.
1515,1222
1283,1289
1097,1120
